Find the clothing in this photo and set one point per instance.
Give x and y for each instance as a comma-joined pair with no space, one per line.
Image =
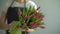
29,3
16,4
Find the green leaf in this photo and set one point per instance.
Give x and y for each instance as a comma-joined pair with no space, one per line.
42,23
37,20
23,12
33,9
28,20
26,11
32,19
29,10
30,7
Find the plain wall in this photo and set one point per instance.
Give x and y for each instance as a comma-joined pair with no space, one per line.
51,9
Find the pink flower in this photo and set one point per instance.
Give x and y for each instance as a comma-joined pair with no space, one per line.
35,16
42,26
24,23
34,24
41,16
37,23
19,12
31,23
26,16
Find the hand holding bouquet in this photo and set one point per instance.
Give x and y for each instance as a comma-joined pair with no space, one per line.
29,19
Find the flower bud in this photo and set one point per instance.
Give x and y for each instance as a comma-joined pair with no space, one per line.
26,16
19,13
42,26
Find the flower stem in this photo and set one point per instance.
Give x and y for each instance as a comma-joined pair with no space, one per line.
25,31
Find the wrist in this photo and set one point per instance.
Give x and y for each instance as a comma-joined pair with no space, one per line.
9,26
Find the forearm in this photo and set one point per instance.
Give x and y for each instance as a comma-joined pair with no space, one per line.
4,26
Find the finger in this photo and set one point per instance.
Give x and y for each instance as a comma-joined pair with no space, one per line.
12,22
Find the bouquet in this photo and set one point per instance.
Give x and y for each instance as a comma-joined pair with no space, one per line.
28,18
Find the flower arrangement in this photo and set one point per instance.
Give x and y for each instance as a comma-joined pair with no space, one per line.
28,18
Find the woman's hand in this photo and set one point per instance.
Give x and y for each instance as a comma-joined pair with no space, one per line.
30,30
20,29
11,24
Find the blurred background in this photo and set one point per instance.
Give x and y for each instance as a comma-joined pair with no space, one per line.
51,9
